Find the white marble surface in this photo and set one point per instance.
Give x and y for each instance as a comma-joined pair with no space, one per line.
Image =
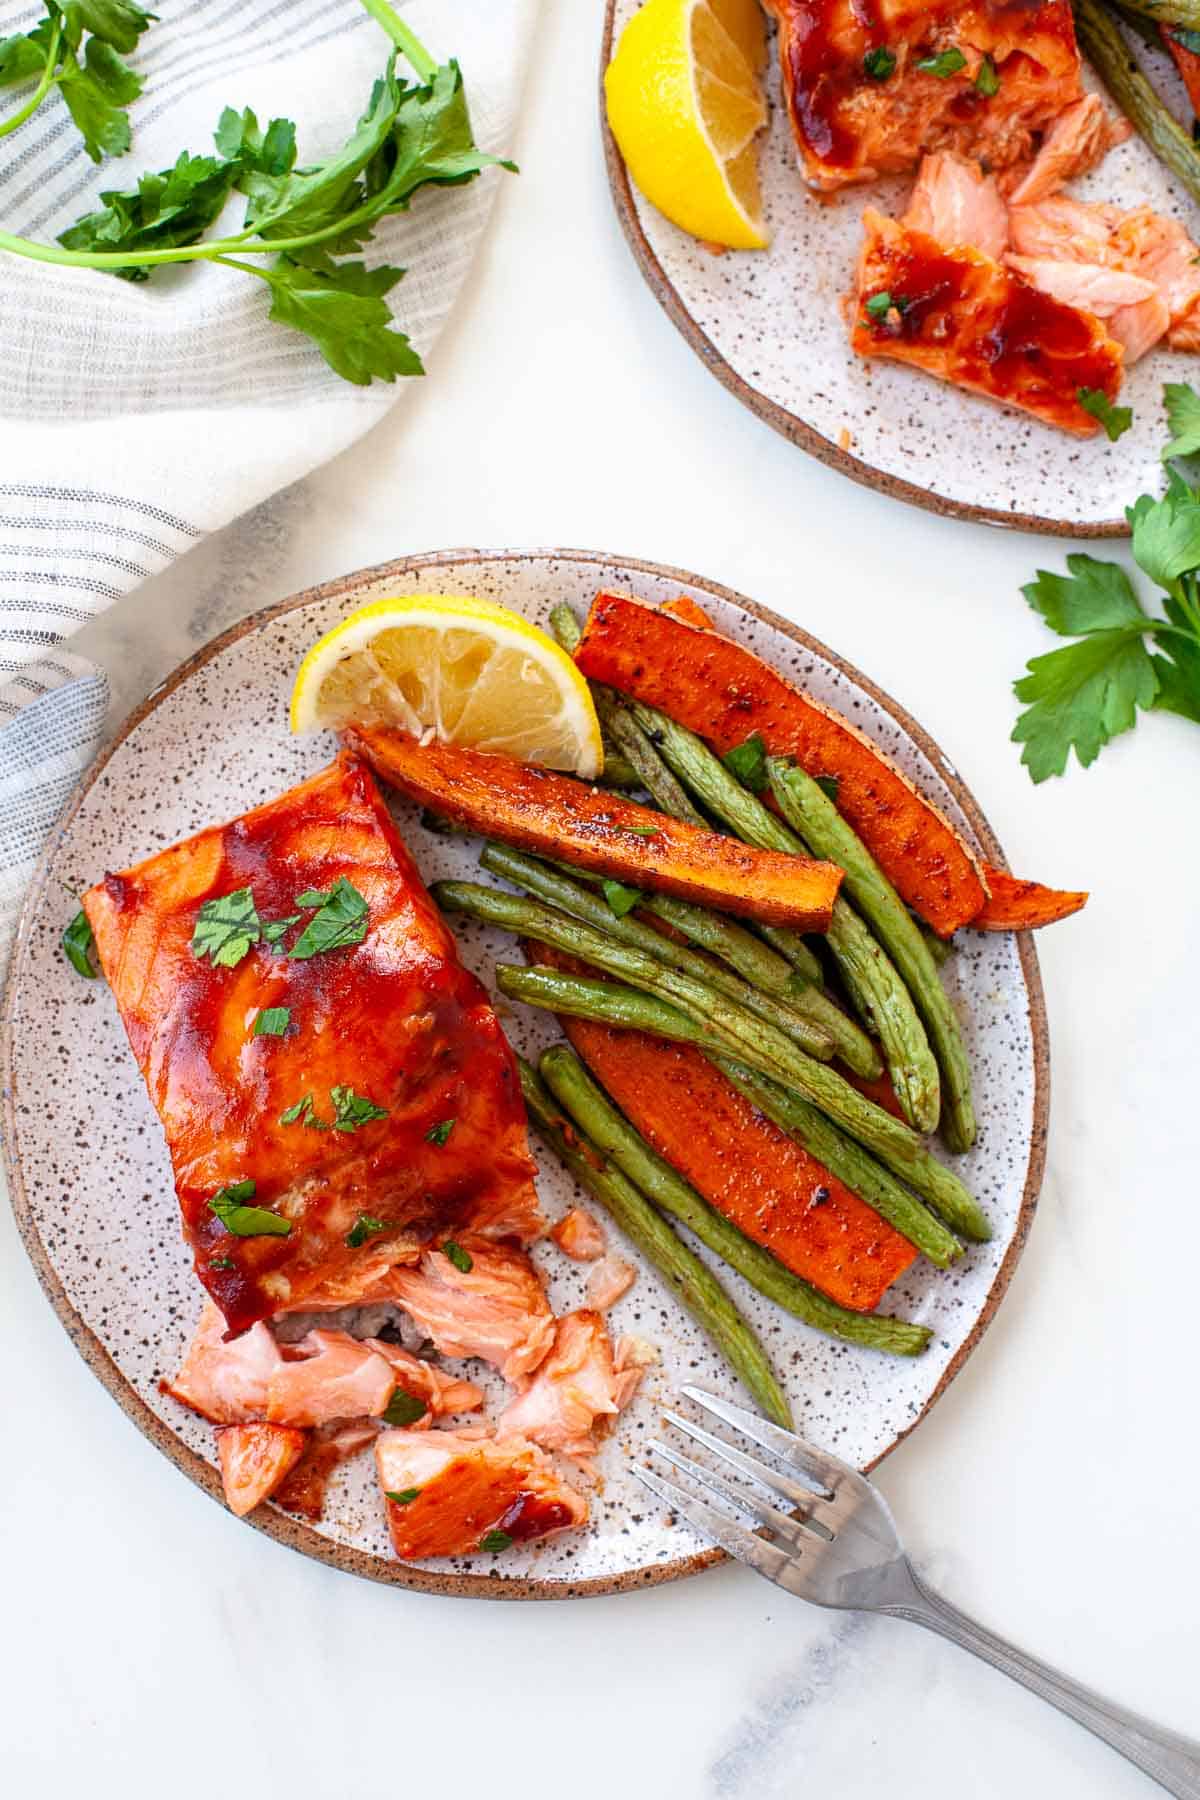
152,1644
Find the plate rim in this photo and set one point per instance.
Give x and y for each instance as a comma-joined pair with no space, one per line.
280,1526
788,424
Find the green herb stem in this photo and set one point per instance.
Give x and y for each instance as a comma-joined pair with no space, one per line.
48,77
404,38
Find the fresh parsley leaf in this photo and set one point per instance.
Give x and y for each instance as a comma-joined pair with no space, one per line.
97,91
343,310
340,919
22,58
246,1221
829,785
1094,596
310,897
274,929
943,65
1116,420
1178,670
404,1497
748,761
495,1541
222,1262
226,927
462,1259
438,1134
1166,535
302,1113
77,944
621,899
172,207
878,64
272,1021
364,1227
117,22
1186,38
298,201
1183,416
646,831
350,1110
987,79
403,1409
240,141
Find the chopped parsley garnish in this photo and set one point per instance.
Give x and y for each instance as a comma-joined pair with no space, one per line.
272,1021
350,1110
748,761
495,1541
274,929
437,1134
829,785
462,1259
77,942
879,64
403,1409
404,1497
1116,420
340,919
226,928
643,830
246,1221
222,1262
621,899
364,1227
303,1114
1186,38
943,65
881,304
987,78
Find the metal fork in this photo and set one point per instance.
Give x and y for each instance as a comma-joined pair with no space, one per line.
836,1544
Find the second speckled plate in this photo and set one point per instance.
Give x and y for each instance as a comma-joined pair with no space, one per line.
90,1177
768,324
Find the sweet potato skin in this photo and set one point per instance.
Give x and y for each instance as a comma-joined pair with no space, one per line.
554,815
725,693
1015,905
759,1178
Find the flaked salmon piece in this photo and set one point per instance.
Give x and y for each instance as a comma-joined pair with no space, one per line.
1138,240
496,1308
226,1382
255,1460
608,1281
632,1357
363,1283
442,1392
579,1235
1138,328
452,1493
1090,286
573,1395
861,105
390,1016
966,319
1078,140
954,203
303,1489
507,1213
335,1377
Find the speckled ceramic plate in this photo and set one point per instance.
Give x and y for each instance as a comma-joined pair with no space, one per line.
769,326
89,1171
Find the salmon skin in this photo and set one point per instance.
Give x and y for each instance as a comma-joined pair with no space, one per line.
394,1019
959,315
861,105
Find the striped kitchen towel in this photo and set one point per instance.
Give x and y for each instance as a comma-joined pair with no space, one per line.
135,418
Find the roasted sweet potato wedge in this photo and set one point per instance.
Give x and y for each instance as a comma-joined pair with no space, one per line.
554,815
1016,905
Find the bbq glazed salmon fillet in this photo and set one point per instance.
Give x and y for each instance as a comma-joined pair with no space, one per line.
388,1110
969,320
861,104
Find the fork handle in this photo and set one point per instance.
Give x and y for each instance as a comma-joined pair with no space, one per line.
1171,1760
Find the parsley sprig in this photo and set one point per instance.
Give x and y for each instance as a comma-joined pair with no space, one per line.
1124,660
308,221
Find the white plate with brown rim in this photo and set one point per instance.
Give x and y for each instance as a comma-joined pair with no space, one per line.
768,325
88,1168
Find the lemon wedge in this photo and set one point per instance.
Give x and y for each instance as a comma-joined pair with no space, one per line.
685,104
467,670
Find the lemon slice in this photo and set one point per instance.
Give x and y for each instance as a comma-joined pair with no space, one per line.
685,104
467,670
